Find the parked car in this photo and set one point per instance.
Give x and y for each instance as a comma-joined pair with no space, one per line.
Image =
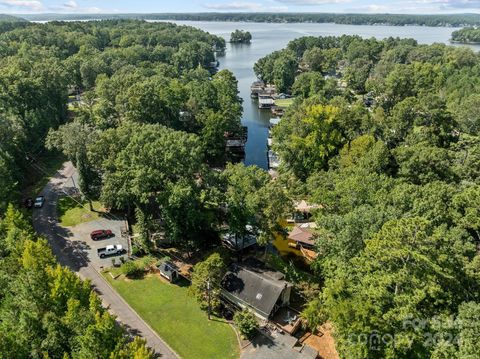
39,201
28,203
101,234
111,250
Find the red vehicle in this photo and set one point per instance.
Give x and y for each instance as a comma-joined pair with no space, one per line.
101,234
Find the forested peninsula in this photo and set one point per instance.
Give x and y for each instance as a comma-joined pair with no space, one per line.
468,35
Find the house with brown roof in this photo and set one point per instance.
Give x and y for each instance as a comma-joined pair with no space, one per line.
302,237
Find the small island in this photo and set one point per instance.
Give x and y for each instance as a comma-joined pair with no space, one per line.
467,35
240,37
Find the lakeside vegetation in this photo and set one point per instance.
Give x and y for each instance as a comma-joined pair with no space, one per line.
468,35
385,136
351,19
110,62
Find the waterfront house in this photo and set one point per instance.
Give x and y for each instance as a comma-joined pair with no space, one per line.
251,285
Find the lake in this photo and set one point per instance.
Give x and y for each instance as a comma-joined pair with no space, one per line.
270,37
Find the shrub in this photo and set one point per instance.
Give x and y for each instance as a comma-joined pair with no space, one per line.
131,269
245,322
146,263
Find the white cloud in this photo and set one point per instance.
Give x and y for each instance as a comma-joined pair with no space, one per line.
248,6
244,6
72,6
25,5
420,7
450,4
313,2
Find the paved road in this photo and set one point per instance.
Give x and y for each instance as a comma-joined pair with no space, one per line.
70,253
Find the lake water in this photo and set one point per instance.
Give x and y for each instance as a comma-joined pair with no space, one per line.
270,37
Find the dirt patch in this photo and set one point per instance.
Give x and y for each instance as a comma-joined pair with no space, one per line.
323,342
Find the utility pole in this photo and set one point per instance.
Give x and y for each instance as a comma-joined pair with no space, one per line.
208,297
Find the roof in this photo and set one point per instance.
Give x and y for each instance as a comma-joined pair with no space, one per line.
274,121
302,235
273,159
235,143
265,100
259,288
303,206
241,242
167,267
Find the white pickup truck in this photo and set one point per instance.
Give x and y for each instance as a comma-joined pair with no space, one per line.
111,250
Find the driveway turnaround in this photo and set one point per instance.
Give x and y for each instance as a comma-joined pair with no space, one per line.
80,238
73,253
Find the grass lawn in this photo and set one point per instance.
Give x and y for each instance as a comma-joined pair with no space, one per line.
177,318
71,213
284,102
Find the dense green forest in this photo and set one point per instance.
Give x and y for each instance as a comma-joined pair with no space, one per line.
127,71
385,136
46,310
467,35
352,19
150,125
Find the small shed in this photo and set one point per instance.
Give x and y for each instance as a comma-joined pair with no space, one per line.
169,271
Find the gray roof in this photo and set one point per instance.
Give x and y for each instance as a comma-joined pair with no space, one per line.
167,267
256,287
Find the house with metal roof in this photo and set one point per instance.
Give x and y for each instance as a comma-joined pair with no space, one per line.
257,288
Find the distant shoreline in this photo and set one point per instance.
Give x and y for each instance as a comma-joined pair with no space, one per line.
451,20
465,42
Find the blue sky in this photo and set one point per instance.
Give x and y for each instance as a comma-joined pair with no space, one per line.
146,6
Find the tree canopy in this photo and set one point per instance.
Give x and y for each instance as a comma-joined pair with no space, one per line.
47,311
390,157
240,36
125,71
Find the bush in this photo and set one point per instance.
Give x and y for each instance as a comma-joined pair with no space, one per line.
245,322
146,263
131,269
